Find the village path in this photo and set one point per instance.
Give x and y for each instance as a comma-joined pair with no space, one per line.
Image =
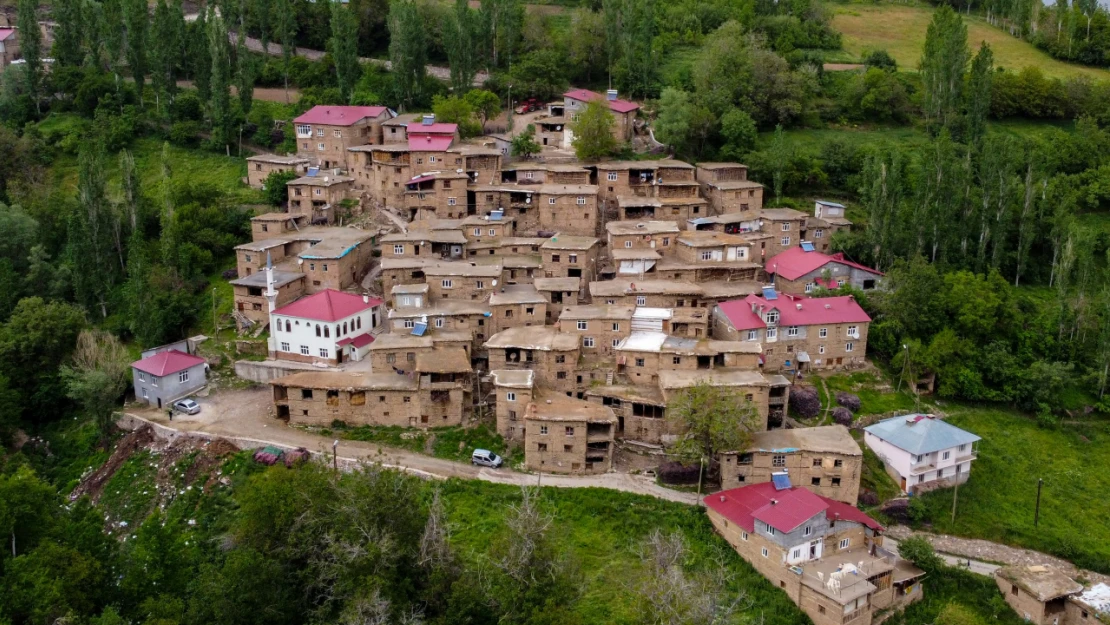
984,554
242,416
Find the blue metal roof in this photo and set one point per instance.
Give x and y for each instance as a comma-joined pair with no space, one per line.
420,328
496,215
781,481
312,171
769,293
921,434
807,246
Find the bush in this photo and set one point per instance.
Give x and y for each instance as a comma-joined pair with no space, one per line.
921,553
848,400
842,416
804,401
678,473
184,133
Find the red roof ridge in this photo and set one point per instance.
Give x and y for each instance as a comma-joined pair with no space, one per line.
328,305
167,363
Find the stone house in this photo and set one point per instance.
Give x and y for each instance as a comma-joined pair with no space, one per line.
749,383
310,329
324,133
259,167
525,172
660,236
442,244
516,306
318,197
568,208
447,316
640,411
566,256
922,452
165,376
796,331
436,195
271,225
825,460
727,189
828,219
557,292
643,355
567,435
405,270
250,293
1042,595
706,256
9,46
513,392
801,270
786,226
491,228
654,293
826,555
409,295
635,181
463,280
598,328
393,351
355,398
503,246
550,354
624,112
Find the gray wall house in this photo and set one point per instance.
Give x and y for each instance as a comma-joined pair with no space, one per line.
168,376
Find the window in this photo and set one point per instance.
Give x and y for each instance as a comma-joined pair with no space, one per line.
142,377
337,134
541,447
626,244
772,333
439,322
809,287
492,232
764,552
838,463
639,362
743,535
398,249
446,283
784,241
304,129
770,530
849,347
676,360
612,176
809,530
616,342
183,376
853,332
707,255
587,341
818,234
581,200
409,323
820,349
477,232
823,332
285,347
543,429
572,259
450,201
568,448
792,331
786,227
795,555
616,327
325,266
753,335
813,481
583,325
304,350
773,316
551,201
821,609
510,396
306,393
319,132
560,375
569,430
962,447
319,147
481,284
323,352
560,359
836,481
778,460
555,258
844,543
154,381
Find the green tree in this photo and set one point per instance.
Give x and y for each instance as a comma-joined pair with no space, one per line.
285,31
780,157
503,22
275,187
246,72
68,31
639,68
164,54
28,507
942,67
979,96
90,234
672,124
98,376
593,132
30,47
958,614
220,102
37,338
740,134
524,144
712,419
919,551
343,46
486,104
456,110
110,34
137,19
408,50
200,56
461,38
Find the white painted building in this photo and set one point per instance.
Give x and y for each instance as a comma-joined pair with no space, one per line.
922,452
329,327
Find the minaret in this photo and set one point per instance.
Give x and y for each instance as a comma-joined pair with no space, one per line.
271,292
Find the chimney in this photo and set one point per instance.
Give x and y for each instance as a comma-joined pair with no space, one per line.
428,119
798,305
611,95
722,498
365,299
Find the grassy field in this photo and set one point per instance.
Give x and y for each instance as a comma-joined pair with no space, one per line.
900,30
998,502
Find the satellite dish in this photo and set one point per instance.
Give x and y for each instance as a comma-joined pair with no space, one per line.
495,283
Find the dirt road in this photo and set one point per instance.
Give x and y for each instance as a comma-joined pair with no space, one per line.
243,416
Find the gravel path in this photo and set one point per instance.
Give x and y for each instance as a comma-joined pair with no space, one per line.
242,416
987,551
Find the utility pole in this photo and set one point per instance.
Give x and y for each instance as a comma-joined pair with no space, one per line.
955,493
215,327
335,455
1037,514
701,471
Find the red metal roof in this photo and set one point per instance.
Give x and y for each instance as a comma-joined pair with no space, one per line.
167,363
423,178
796,262
793,507
429,143
585,95
339,115
328,305
361,340
5,33
794,310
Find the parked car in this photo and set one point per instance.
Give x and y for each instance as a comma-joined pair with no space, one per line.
486,458
188,406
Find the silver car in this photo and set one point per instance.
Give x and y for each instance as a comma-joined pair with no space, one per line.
187,406
486,458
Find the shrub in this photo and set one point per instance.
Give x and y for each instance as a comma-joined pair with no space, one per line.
848,400
678,473
804,401
918,550
868,498
842,416
184,133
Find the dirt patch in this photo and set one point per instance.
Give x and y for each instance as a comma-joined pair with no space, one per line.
93,484
842,67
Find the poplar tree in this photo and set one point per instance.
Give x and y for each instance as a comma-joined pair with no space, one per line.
138,19
164,54
220,100
30,45
460,36
201,56
89,246
593,132
246,70
979,96
942,67
110,33
285,30
343,46
68,33
640,70
408,50
261,14
503,21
